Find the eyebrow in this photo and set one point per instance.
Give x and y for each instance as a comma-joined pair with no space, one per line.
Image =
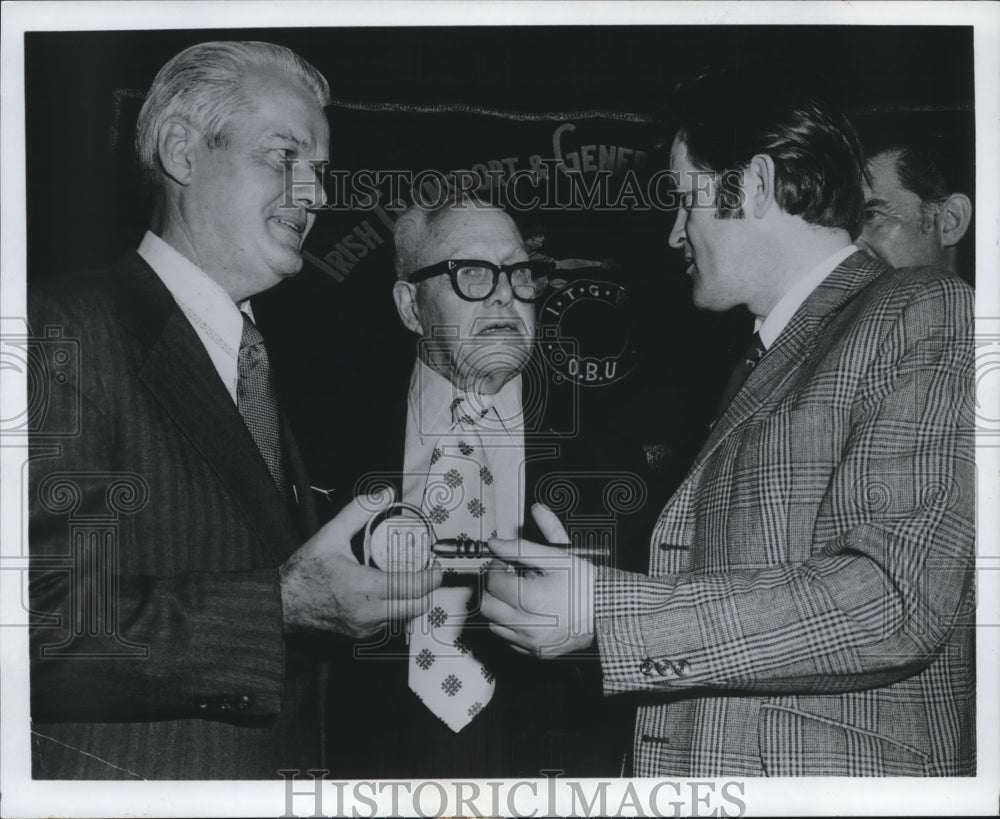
286,137
874,201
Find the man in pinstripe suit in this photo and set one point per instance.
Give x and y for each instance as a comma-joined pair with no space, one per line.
809,603
179,579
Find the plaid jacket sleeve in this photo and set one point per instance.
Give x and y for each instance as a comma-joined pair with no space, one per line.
825,542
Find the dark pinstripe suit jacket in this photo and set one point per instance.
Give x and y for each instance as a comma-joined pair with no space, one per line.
810,598
156,533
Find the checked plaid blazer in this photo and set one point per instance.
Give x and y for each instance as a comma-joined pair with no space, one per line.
809,605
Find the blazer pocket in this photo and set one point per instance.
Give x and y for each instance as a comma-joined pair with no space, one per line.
796,743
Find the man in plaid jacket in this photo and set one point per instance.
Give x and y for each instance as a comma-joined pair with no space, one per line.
809,604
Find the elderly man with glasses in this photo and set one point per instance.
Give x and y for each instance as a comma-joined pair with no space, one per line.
474,314
449,699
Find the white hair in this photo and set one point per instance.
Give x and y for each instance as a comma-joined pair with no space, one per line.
203,85
414,227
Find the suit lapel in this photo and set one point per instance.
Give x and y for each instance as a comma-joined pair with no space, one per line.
793,347
179,374
545,410
307,512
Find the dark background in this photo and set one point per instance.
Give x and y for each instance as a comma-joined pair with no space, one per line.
336,343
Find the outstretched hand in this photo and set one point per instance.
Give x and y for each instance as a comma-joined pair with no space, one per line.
540,598
325,589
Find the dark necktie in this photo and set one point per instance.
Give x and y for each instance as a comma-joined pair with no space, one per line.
258,404
741,372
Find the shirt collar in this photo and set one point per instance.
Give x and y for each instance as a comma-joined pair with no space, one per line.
770,327
213,314
192,288
431,396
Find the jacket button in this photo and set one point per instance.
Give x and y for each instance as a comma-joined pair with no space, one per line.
663,667
646,667
681,668
244,701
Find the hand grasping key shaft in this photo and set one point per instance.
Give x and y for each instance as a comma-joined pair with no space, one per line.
545,607
408,543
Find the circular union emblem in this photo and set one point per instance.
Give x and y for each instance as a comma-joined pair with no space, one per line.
585,333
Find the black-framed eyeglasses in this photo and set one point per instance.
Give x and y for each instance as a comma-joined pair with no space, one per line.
476,280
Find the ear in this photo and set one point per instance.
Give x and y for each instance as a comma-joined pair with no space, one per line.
758,185
954,218
175,144
405,296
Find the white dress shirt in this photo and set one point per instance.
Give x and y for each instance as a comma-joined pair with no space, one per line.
428,417
213,314
770,327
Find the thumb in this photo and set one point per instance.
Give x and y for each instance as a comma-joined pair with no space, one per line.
526,553
549,525
356,514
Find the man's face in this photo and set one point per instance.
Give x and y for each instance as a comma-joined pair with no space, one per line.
714,248
479,345
895,230
232,212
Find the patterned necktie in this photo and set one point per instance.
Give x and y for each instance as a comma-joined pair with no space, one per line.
741,372
258,404
458,499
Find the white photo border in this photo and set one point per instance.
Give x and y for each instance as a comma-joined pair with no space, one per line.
22,797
